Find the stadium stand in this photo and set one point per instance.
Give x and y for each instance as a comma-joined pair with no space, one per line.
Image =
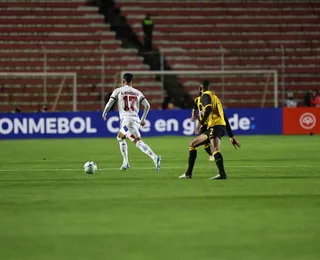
74,36
253,34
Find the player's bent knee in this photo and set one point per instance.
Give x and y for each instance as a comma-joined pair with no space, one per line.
121,135
192,143
200,140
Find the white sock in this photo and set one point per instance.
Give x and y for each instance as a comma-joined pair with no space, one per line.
123,149
146,149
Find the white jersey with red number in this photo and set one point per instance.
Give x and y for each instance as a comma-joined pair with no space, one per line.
128,100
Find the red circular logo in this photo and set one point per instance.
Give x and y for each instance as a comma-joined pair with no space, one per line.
308,120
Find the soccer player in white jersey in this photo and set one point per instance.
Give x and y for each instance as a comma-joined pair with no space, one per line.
128,100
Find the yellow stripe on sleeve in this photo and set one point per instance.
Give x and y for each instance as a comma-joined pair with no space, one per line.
209,105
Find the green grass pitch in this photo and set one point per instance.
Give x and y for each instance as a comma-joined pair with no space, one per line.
269,208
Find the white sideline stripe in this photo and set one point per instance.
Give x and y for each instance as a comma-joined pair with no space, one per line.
149,168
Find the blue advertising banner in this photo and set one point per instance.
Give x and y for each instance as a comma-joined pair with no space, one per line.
255,120
90,124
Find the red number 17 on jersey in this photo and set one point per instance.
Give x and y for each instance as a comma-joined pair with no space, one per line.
129,102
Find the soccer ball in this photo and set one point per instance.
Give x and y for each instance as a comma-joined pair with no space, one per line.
90,167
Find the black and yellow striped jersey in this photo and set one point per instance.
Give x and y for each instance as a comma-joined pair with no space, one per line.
197,106
216,117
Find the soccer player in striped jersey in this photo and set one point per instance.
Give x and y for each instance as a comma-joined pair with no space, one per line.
218,124
128,100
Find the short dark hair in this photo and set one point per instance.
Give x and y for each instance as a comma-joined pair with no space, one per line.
128,77
205,85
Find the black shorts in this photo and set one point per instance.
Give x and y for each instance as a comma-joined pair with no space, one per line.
215,131
203,129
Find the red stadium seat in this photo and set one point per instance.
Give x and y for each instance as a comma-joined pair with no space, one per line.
73,43
251,34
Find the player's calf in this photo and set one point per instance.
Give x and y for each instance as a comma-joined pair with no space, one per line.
148,151
207,148
145,149
219,162
199,140
191,161
124,151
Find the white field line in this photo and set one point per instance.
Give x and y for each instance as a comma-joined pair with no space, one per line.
150,168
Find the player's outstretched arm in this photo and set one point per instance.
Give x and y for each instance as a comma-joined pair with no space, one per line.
233,140
146,106
108,106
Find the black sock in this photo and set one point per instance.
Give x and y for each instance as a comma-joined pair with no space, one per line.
208,149
219,162
191,161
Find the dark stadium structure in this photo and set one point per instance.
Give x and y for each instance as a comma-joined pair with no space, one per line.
73,36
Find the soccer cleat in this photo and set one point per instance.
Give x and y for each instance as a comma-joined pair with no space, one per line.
156,162
125,166
211,158
185,176
219,177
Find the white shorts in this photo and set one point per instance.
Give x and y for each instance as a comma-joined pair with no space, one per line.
130,128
